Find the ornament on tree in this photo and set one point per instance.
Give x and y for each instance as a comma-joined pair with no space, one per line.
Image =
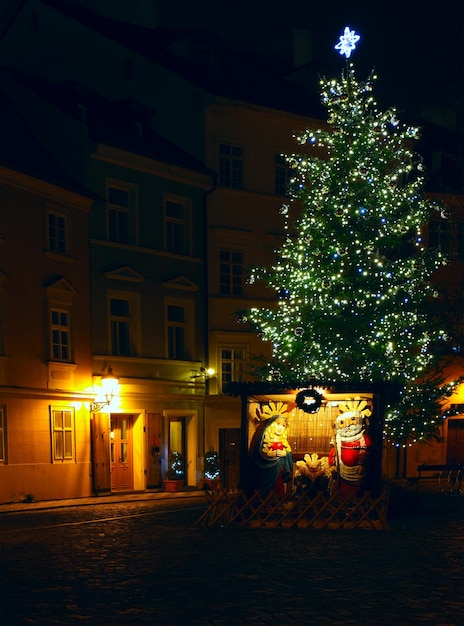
347,42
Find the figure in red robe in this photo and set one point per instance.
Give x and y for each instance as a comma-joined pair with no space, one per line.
351,451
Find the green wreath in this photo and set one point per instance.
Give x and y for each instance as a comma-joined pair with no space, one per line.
309,400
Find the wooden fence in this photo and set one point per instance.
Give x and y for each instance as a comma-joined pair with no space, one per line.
304,510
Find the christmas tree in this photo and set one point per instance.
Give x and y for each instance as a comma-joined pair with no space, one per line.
352,278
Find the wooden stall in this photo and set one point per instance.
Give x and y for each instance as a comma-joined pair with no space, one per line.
334,439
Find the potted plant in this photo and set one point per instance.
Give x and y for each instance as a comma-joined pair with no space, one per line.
175,474
211,470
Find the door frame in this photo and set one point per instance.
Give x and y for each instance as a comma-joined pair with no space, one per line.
117,465
190,416
222,436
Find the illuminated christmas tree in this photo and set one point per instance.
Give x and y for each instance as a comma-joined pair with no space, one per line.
352,277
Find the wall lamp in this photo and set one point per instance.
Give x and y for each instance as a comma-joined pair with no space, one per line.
110,385
204,373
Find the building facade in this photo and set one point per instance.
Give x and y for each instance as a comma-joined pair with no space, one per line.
140,183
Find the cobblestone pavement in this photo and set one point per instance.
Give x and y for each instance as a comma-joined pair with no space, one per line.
144,561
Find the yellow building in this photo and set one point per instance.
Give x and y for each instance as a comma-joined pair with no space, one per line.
45,352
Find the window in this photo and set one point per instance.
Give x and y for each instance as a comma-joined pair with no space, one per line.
120,323
60,333
62,426
2,317
439,235
177,232
232,365
121,213
57,233
230,166
176,331
282,175
231,272
176,441
2,434
460,240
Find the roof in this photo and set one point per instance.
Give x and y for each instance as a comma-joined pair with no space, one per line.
122,124
233,73
23,152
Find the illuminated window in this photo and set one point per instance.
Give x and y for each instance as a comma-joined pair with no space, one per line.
230,166
232,365
57,233
62,426
60,335
231,272
2,434
177,227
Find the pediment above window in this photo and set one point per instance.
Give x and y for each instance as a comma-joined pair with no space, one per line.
125,273
181,282
61,290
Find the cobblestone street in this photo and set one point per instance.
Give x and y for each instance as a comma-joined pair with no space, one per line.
145,562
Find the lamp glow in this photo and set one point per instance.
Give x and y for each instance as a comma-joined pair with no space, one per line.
110,387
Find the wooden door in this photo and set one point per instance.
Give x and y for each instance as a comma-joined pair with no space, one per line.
121,452
153,452
455,447
101,466
229,453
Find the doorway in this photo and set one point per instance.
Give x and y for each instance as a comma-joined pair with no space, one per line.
229,453
176,441
455,447
121,453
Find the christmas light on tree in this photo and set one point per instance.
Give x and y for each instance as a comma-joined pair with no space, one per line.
352,278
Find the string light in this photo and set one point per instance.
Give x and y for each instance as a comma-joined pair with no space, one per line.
353,268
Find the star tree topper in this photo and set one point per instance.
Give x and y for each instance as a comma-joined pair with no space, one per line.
347,42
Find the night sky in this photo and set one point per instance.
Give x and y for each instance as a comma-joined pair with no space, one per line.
416,51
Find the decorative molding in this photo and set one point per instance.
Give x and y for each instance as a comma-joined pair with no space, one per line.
61,375
181,282
125,273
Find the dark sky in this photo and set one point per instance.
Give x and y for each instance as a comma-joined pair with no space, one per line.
416,50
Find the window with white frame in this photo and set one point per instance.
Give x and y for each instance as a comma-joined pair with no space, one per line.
121,212
57,236
62,428
231,272
230,166
3,446
177,226
176,331
232,362
60,335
